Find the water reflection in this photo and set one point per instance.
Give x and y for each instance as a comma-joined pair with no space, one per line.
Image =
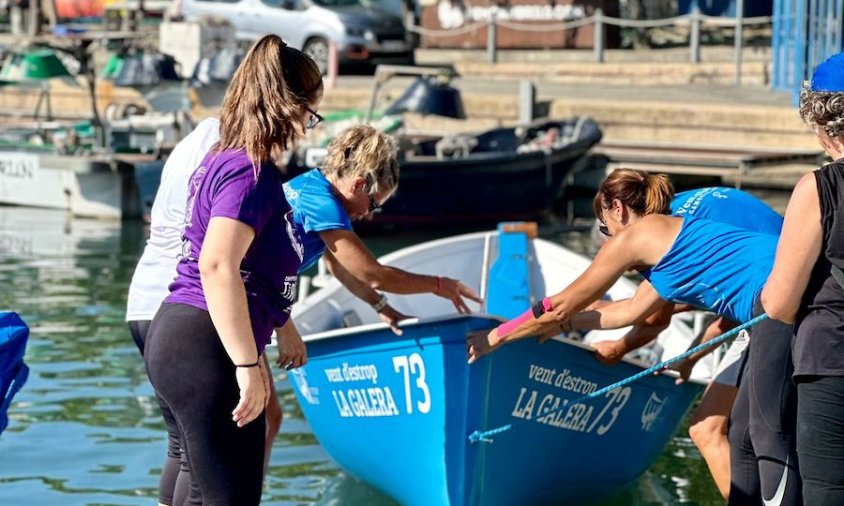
86,430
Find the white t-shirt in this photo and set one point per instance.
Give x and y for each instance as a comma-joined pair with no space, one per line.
157,267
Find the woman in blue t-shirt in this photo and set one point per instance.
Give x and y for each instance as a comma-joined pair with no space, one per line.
360,173
708,424
698,262
240,258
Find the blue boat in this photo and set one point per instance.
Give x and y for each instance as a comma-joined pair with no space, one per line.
397,411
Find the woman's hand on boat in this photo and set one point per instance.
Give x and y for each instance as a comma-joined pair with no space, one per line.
608,352
292,352
481,342
252,395
683,368
455,291
391,317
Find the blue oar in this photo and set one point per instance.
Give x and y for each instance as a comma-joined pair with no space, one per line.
485,435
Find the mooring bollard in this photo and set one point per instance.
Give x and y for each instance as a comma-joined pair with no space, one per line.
599,36
739,39
491,40
694,36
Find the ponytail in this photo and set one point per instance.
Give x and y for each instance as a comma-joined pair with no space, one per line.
262,106
641,192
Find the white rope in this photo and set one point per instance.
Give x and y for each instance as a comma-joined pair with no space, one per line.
721,21
569,25
427,32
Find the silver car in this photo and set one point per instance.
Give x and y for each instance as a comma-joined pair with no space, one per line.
362,33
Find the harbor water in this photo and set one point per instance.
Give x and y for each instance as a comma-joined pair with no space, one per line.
85,429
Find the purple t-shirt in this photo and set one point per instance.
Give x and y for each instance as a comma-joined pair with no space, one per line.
224,185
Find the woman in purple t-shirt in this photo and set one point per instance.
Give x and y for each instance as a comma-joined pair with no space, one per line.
235,280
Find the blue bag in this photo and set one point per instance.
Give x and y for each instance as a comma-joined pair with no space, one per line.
13,372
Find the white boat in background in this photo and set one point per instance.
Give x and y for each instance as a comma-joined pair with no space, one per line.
88,186
396,411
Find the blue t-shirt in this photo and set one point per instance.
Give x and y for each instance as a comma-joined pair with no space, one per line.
728,205
315,209
715,266
224,185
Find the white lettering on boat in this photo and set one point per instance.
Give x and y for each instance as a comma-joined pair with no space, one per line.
18,165
564,379
413,365
365,402
556,411
346,372
652,410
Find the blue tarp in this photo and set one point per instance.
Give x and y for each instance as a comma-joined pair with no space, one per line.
13,372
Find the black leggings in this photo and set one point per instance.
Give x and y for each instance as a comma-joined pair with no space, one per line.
195,378
820,439
173,462
762,433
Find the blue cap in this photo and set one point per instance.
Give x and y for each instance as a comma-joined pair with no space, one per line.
829,75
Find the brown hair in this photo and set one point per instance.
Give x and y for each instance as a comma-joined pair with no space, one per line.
365,152
643,193
262,105
823,109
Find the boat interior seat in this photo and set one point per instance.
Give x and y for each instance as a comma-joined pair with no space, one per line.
351,319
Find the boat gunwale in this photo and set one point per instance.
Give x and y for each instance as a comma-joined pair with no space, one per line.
418,322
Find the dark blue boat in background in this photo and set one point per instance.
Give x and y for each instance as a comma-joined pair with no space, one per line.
513,173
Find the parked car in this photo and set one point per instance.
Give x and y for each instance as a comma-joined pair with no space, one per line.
363,33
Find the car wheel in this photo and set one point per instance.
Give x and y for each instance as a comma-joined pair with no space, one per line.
317,48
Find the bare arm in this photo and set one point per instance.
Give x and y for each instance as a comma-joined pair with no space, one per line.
614,315
716,328
622,313
292,352
224,247
355,257
610,352
797,251
364,292
642,244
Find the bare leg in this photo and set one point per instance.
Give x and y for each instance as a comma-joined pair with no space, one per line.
708,430
274,417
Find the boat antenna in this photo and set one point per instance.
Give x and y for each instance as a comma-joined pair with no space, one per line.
486,436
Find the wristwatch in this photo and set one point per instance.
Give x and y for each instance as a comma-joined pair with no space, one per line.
380,305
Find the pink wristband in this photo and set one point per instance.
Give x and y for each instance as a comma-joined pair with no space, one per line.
509,326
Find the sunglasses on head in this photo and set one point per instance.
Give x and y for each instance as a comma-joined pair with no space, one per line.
315,118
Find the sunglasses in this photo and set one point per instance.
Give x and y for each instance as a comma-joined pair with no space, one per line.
604,230
373,205
314,120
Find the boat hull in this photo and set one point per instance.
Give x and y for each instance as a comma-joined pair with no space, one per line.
87,187
397,411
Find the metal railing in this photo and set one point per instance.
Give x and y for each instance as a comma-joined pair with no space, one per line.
695,21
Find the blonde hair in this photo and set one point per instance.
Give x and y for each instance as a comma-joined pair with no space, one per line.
823,110
261,110
641,192
363,151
